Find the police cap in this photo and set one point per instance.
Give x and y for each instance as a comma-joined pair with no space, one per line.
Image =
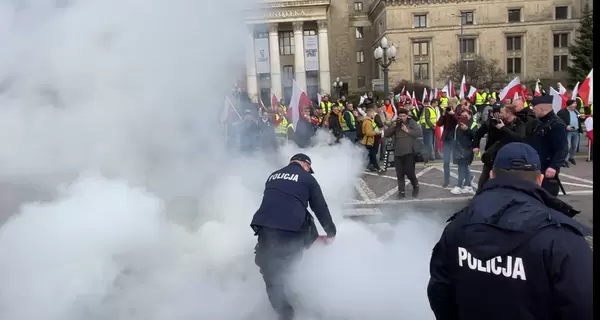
517,156
304,158
547,99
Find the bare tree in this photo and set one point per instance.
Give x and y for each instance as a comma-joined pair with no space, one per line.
479,72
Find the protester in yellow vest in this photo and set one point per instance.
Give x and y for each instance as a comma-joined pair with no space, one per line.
428,119
444,100
326,105
370,130
349,123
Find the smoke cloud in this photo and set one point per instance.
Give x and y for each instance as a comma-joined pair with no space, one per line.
119,200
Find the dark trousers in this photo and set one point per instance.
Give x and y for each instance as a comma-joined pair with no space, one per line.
405,167
274,254
373,156
483,178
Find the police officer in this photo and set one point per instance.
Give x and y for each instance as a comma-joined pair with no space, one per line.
549,139
284,226
512,253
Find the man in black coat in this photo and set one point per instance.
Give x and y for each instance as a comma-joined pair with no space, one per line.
573,120
513,252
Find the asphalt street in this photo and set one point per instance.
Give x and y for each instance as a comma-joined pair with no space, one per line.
376,194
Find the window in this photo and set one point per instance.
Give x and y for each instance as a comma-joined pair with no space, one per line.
262,35
513,43
286,43
466,18
310,32
264,76
421,71
561,40
467,45
420,49
513,65
288,72
360,56
358,6
467,65
560,63
561,13
514,15
420,21
362,82
359,32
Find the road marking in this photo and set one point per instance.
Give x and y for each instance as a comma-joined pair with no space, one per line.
576,178
455,176
362,212
406,182
576,184
365,192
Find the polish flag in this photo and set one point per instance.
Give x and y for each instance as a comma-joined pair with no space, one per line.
559,101
261,105
433,94
362,98
444,89
575,91
472,92
589,127
273,102
561,88
463,88
509,91
424,95
438,134
413,101
537,92
451,93
299,99
586,89
227,111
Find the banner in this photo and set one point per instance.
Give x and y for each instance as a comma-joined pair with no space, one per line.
311,53
261,55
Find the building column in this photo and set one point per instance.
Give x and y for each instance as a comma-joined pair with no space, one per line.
324,73
274,58
299,69
251,81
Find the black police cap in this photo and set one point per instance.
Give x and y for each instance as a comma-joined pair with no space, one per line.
304,158
517,156
546,99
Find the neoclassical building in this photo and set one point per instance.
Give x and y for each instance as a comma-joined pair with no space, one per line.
317,41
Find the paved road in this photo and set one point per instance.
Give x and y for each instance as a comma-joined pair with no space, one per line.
376,195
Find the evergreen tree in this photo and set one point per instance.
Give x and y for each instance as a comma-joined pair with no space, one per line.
582,51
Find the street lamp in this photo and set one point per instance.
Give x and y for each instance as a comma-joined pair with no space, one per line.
385,55
461,42
337,85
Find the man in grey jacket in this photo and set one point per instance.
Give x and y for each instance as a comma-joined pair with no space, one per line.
405,132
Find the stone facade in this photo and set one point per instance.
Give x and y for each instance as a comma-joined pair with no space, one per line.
486,29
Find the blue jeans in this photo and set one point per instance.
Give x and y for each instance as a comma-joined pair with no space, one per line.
464,176
428,137
572,141
447,148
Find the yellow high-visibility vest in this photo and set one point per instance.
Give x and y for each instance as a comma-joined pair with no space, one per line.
480,98
282,126
444,102
352,120
432,117
326,106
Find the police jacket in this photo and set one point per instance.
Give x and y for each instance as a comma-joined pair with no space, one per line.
288,192
549,140
508,255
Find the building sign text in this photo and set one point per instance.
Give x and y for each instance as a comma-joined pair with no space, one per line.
285,14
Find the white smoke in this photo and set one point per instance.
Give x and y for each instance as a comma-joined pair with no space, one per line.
134,210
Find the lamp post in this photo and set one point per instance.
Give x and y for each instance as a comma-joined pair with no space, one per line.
385,55
461,42
337,85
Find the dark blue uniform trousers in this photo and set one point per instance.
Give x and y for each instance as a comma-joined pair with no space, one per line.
275,252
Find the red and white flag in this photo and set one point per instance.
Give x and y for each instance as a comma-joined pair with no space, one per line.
514,86
451,92
586,89
413,100
472,93
537,92
463,87
438,134
559,101
589,129
561,88
273,102
433,94
424,95
228,111
575,91
299,99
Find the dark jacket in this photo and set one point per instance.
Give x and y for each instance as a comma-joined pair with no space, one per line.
549,139
511,224
288,192
267,134
529,119
463,149
448,122
405,142
305,131
334,121
565,116
514,131
250,136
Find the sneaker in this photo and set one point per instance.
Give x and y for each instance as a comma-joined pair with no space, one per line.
467,189
415,192
445,185
401,195
456,190
572,161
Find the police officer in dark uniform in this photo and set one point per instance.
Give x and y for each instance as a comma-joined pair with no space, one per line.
549,139
285,227
513,252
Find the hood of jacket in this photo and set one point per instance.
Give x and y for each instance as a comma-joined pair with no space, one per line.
506,214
